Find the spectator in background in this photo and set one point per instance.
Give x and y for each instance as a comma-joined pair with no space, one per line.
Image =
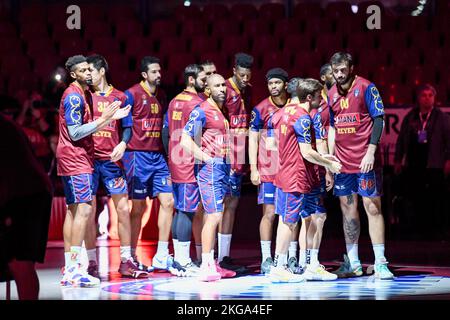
33,120
25,206
422,154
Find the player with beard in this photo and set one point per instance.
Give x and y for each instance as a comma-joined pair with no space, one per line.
356,125
144,162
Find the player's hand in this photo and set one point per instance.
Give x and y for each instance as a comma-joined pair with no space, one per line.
121,113
329,180
255,177
367,162
118,152
335,167
110,110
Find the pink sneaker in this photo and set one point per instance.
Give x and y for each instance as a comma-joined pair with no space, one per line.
209,273
225,273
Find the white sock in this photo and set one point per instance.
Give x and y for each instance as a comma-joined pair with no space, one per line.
207,259
163,249
175,249
302,258
198,250
92,255
308,256
378,250
314,259
293,249
183,252
67,258
280,260
75,255
224,246
352,253
265,250
125,253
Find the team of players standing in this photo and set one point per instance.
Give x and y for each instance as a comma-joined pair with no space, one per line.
303,139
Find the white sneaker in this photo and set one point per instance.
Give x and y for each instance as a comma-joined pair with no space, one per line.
78,277
162,263
208,272
187,270
319,273
284,275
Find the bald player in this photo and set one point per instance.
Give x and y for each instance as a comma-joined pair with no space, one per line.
208,127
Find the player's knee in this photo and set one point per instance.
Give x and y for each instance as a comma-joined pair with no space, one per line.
372,207
123,211
319,219
167,203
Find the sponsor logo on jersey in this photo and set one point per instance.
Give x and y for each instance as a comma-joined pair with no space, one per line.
152,124
239,120
347,119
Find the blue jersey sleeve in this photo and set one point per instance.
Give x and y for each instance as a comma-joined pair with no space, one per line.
319,129
128,120
256,122
73,109
302,128
373,101
196,122
166,120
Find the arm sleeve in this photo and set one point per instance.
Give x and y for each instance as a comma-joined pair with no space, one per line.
79,131
373,101
126,134
302,128
73,110
196,122
319,129
127,122
165,132
331,113
377,130
256,122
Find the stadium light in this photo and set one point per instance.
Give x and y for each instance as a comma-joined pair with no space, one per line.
355,8
187,3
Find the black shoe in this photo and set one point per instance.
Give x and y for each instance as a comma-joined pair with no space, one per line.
227,263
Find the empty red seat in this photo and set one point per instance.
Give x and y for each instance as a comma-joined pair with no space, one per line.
178,61
71,46
94,11
359,40
169,45
93,29
38,46
10,44
316,25
308,10
256,27
137,45
276,59
45,66
234,44
339,9
32,12
416,75
385,76
23,81
436,57
305,60
61,32
295,42
373,57
121,11
405,58
183,13
126,28
224,28
194,28
215,11
392,40
244,11
203,44
117,64
13,62
264,43
272,11
7,29
30,30
329,43
162,28
286,26
103,45
411,23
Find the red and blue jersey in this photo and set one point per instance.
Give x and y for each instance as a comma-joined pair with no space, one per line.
74,157
208,120
237,110
147,119
108,138
295,173
181,163
352,116
267,159
321,122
